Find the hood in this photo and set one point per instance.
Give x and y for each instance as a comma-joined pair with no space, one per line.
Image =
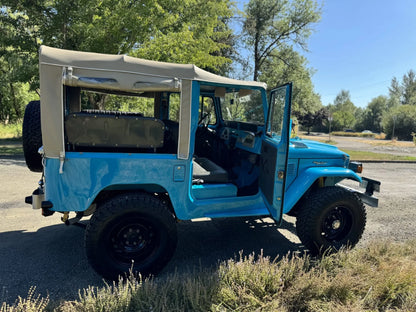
300,148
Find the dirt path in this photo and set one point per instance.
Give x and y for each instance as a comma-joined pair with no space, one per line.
43,252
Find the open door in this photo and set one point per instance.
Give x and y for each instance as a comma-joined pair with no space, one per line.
275,149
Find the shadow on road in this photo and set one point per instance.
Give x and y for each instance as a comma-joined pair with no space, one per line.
53,258
12,160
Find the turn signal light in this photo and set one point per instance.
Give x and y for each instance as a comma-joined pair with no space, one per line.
356,166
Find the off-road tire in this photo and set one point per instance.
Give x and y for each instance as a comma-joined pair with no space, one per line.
331,218
132,231
32,136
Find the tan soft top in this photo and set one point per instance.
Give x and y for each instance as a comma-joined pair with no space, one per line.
118,66
115,72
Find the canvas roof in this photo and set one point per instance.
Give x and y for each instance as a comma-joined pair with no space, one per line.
60,67
120,65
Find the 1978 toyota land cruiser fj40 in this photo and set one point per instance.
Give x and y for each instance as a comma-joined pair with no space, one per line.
138,145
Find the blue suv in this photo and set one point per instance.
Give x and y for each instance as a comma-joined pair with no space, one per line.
139,145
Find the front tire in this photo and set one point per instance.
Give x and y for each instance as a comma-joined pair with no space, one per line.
130,231
331,218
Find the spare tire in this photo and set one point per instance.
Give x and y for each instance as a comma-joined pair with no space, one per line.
32,136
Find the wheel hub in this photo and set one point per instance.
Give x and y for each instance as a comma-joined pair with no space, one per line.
336,224
132,240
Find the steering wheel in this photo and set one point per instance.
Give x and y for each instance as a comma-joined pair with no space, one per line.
205,120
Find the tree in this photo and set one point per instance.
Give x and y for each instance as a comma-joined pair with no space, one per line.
402,119
185,39
373,114
316,119
271,25
395,93
343,111
409,88
277,72
188,31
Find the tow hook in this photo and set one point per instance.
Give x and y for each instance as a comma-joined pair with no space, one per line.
73,221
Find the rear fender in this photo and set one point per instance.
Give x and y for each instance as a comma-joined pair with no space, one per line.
307,177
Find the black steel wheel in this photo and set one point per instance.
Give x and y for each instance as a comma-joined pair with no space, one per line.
32,136
130,231
332,218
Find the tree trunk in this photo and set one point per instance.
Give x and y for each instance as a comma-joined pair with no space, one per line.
15,102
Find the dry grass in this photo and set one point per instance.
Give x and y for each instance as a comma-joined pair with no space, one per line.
389,143
380,277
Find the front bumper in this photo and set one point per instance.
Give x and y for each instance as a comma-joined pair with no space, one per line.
366,196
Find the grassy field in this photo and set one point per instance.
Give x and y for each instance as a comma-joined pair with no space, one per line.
11,140
11,131
363,155
379,277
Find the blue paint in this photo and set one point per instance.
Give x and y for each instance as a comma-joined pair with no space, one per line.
206,191
307,176
179,173
87,174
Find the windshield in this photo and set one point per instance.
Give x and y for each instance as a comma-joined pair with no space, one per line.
243,105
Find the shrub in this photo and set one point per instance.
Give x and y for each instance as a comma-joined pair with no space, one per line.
354,134
379,277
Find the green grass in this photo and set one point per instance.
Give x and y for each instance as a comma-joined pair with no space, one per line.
362,155
10,131
11,140
379,277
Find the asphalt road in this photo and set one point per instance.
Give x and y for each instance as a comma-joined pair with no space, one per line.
43,252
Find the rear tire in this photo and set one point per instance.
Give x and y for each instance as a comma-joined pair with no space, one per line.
331,219
32,136
130,231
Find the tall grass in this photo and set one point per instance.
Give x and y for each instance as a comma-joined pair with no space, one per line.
379,277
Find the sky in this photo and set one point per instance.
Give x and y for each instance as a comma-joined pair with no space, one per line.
359,46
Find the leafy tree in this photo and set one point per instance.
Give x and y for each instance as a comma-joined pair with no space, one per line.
373,114
343,111
288,65
359,116
401,120
271,25
188,31
311,120
395,93
409,88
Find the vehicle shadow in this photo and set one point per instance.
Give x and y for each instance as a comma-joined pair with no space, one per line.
206,244
53,258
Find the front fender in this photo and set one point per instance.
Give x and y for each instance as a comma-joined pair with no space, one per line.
307,177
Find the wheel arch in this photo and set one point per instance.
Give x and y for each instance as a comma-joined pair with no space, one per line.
114,190
310,179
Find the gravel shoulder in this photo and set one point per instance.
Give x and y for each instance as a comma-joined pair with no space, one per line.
43,252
